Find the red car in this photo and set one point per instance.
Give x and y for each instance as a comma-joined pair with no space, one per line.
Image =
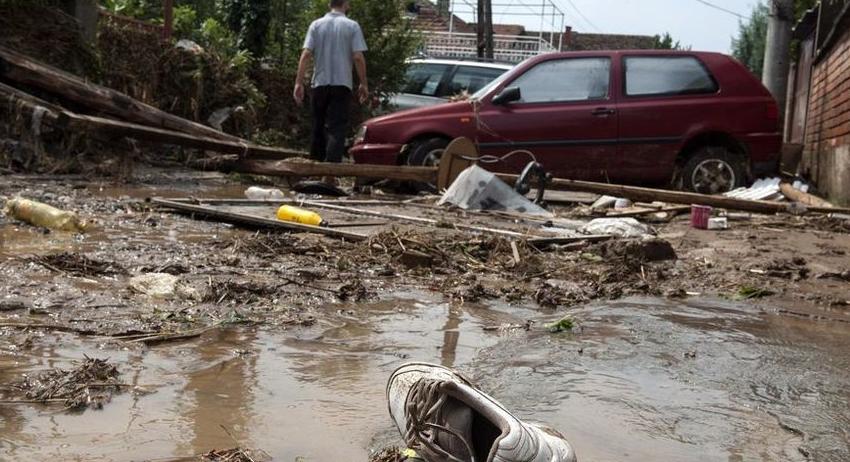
639,117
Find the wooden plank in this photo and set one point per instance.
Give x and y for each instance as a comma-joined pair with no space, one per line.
24,70
255,221
637,193
802,197
111,129
412,219
545,241
428,175
637,213
283,168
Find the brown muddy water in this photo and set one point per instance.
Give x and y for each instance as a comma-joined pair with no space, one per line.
639,379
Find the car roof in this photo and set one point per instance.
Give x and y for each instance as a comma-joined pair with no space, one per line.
461,62
630,52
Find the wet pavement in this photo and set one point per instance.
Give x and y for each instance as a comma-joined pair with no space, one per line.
639,379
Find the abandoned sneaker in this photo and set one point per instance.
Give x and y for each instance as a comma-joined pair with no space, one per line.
446,419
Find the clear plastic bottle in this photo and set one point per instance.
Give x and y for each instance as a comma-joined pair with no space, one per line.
257,193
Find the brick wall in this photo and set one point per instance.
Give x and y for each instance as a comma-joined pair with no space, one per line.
827,150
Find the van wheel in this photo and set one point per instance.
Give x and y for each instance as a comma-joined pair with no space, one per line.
426,153
714,170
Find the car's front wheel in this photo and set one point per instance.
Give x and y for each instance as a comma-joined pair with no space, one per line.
714,170
426,152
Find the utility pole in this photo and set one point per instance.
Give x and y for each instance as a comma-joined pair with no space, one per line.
481,27
778,50
488,29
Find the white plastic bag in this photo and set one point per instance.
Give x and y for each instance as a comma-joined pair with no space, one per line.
621,227
478,189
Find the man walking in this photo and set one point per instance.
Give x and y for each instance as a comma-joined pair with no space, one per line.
336,44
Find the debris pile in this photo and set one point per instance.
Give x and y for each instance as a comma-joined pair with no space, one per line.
79,265
90,385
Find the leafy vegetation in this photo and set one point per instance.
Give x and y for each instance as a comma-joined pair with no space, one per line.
665,42
257,43
749,45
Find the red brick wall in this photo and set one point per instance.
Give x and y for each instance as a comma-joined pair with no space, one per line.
827,150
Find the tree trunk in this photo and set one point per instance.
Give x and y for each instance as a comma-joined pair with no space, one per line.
26,71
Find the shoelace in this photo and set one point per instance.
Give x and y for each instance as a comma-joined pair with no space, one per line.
424,406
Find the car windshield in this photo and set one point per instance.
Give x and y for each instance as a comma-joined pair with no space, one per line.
498,81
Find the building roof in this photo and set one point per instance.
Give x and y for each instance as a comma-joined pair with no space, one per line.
594,42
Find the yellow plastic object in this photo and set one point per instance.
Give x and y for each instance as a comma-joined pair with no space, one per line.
38,214
298,215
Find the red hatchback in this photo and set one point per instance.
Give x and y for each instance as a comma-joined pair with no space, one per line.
639,117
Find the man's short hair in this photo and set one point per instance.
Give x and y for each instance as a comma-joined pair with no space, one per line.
337,3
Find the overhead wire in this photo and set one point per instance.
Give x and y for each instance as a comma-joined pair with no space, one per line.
583,17
720,8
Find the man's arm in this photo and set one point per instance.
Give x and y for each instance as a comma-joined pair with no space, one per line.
298,94
360,66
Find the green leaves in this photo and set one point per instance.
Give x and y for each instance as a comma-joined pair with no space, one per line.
750,292
563,325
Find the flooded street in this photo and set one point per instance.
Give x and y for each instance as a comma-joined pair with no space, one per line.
643,379
287,356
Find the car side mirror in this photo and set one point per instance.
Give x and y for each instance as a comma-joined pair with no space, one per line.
508,95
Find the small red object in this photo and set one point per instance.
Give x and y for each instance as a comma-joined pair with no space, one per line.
699,216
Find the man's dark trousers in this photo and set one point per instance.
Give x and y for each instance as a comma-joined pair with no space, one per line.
331,108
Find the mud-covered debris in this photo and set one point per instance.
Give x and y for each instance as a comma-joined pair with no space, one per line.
842,276
246,292
473,293
14,304
355,291
233,455
750,292
548,295
162,285
794,269
416,259
389,455
79,265
639,250
676,293
91,384
507,326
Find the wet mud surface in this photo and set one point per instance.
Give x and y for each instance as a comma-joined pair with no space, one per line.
732,348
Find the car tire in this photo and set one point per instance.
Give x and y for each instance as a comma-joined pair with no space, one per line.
426,152
714,170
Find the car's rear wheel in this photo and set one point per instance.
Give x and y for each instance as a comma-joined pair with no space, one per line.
714,170
426,152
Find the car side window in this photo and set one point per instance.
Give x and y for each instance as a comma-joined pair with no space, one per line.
667,75
564,80
471,79
424,79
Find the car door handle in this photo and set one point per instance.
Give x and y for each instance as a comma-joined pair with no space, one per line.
603,111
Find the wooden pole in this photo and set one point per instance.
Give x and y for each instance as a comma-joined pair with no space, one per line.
804,198
256,221
112,129
429,175
24,70
168,19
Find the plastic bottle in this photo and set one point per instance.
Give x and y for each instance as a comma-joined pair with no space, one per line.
257,193
43,215
298,215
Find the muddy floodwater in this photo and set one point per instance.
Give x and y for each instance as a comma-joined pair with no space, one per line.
295,335
640,379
